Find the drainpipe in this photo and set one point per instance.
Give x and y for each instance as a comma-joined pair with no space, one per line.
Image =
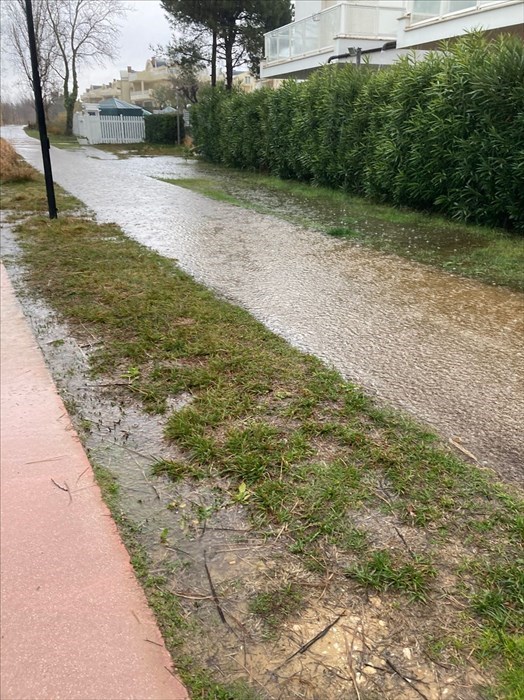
358,52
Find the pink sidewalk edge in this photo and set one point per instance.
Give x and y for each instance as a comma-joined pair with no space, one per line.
75,623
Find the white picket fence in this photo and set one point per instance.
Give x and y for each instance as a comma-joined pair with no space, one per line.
101,128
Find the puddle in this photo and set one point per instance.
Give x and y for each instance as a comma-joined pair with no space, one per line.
447,350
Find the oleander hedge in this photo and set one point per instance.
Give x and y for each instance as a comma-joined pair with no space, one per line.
162,128
444,134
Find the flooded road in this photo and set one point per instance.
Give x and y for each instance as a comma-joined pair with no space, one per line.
447,350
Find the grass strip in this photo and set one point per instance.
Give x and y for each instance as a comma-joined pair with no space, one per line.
145,149
308,451
489,255
58,140
121,150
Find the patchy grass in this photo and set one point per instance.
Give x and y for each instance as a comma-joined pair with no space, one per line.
313,453
275,606
58,140
382,573
125,150
489,255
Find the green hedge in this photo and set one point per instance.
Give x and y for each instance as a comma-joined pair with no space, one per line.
162,128
445,133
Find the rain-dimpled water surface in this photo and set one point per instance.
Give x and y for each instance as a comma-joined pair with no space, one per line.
447,350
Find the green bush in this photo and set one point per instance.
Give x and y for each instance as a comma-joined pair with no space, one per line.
444,134
162,128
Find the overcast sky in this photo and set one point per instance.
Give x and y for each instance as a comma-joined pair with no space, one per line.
145,26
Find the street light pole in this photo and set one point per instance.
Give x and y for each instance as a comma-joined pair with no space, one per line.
40,114
178,117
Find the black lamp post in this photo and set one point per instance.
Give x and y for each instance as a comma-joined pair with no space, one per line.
40,114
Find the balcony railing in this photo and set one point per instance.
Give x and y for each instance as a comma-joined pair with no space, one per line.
141,94
317,34
436,10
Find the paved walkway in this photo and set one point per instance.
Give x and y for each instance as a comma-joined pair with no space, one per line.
74,622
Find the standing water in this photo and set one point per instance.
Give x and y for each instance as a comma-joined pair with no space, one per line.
447,350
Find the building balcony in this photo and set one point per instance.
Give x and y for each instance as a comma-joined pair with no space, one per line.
307,43
138,95
428,22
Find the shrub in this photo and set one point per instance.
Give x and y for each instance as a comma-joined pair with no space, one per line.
445,133
162,128
13,167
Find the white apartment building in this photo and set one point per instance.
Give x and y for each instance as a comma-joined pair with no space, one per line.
378,31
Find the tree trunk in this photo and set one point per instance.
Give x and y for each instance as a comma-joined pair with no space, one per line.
69,104
228,50
71,99
214,59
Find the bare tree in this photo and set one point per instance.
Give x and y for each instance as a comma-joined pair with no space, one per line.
85,32
14,31
69,34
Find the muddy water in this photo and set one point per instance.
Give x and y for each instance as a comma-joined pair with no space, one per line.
447,350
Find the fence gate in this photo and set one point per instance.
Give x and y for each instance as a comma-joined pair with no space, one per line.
102,128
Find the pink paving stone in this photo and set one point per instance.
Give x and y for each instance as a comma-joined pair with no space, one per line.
74,620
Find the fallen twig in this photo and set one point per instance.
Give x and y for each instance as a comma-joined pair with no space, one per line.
192,597
62,488
229,529
349,653
309,644
407,679
130,449
152,642
178,549
240,548
404,541
152,485
136,617
81,475
456,443
204,528
49,459
214,593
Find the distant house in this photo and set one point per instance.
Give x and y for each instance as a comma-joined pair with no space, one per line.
97,93
326,31
135,87
247,82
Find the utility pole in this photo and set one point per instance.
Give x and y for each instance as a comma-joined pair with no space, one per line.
40,114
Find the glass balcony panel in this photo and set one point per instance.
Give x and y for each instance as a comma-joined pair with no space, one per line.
277,44
425,9
457,5
361,21
329,27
